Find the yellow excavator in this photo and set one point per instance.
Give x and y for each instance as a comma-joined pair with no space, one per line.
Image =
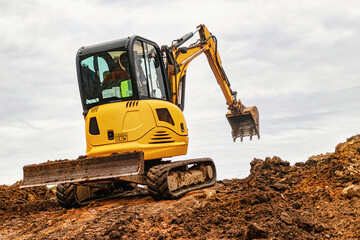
133,95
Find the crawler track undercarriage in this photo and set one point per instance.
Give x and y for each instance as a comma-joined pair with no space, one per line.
163,181
174,180
105,177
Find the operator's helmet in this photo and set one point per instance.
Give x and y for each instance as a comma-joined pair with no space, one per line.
123,60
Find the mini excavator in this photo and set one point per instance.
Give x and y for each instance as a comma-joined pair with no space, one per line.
133,95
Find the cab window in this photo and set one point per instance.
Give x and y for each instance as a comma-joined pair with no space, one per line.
106,77
149,76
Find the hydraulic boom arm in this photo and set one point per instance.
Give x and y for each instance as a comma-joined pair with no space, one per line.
243,120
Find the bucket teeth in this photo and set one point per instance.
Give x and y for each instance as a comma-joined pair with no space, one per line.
245,123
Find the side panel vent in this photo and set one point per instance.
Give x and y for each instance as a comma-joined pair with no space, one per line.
161,137
132,104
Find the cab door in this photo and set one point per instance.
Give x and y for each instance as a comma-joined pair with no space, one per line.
149,71
152,84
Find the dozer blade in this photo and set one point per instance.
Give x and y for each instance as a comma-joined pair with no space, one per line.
245,123
83,169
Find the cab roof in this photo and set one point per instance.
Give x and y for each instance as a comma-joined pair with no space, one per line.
101,47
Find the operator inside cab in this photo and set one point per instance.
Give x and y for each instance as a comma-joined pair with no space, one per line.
106,77
120,73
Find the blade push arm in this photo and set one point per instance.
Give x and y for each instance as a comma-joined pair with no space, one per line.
244,121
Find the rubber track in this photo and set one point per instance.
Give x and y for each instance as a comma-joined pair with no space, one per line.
157,182
158,185
65,194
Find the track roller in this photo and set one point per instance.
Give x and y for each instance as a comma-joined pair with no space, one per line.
174,180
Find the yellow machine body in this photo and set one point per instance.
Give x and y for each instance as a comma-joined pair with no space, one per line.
156,127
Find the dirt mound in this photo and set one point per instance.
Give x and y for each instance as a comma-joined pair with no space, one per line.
317,199
15,199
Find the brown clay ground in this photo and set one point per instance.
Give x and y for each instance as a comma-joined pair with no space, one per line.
309,200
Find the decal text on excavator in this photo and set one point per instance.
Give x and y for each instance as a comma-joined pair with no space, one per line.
121,137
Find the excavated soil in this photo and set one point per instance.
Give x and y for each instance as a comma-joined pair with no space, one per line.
317,199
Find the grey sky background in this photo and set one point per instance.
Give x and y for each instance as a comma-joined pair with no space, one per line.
297,61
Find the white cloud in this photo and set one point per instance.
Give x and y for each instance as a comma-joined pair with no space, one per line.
297,61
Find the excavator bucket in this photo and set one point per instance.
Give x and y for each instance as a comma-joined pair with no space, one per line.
83,169
245,123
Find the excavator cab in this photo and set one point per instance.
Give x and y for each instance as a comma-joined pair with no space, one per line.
122,70
125,95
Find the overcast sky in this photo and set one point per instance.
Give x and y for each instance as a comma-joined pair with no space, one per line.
297,61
